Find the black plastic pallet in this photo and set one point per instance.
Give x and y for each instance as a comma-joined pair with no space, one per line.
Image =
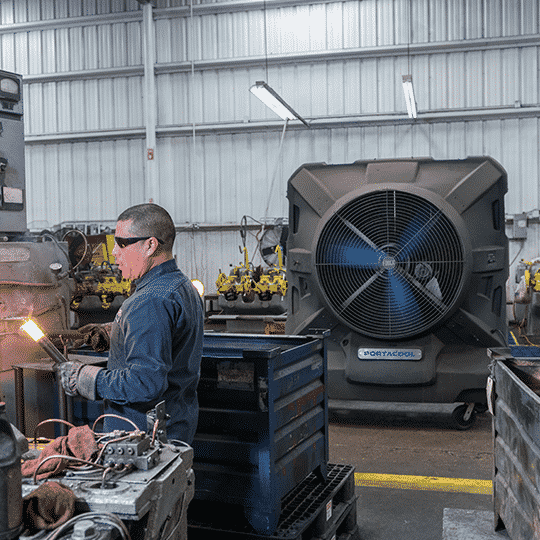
313,510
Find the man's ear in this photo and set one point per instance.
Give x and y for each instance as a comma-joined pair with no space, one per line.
153,245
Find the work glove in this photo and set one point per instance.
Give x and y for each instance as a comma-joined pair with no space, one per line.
78,379
95,335
99,338
69,372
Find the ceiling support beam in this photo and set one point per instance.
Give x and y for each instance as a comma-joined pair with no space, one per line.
425,118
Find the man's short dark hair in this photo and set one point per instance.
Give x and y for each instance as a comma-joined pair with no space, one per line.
151,220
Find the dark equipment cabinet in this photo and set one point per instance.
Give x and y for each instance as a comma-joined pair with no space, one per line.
263,421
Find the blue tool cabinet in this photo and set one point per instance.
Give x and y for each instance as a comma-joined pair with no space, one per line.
263,421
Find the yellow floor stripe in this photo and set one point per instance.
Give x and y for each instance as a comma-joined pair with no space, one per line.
429,483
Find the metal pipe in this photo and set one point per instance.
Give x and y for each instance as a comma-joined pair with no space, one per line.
47,345
19,399
150,100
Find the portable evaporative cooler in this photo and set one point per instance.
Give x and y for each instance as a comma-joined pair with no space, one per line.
405,261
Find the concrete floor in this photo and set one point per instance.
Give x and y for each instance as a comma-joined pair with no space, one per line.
416,440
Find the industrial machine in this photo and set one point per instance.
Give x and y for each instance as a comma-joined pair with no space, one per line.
100,288
245,284
134,484
256,291
34,278
405,261
526,301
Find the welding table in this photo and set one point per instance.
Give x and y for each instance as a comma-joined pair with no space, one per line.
65,403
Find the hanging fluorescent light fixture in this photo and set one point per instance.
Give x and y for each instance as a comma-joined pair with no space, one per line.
409,96
273,101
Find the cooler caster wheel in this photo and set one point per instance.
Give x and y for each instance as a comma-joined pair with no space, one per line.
464,416
481,408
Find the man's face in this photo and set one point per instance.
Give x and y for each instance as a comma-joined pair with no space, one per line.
133,260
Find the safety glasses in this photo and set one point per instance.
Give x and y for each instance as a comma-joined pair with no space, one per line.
123,242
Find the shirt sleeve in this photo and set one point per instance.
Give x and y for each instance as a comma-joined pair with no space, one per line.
148,332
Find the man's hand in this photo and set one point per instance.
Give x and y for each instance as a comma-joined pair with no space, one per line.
69,374
78,379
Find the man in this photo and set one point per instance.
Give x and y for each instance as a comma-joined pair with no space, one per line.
156,337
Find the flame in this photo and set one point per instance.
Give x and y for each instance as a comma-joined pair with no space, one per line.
33,330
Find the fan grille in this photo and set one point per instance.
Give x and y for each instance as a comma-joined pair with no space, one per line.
390,264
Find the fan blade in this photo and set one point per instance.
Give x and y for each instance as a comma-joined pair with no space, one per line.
435,300
415,234
358,233
351,256
352,251
401,297
363,287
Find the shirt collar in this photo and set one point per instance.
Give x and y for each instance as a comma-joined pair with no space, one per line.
159,270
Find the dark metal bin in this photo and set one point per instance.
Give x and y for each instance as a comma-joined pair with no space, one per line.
516,434
263,421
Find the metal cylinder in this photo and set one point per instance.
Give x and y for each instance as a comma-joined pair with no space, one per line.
10,481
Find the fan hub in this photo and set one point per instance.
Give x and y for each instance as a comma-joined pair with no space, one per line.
388,262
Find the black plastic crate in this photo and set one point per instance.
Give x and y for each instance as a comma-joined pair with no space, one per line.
314,510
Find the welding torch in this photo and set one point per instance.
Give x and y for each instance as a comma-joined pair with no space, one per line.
35,332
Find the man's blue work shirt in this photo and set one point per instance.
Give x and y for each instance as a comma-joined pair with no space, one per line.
155,354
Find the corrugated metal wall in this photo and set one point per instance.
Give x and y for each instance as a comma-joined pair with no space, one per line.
339,64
